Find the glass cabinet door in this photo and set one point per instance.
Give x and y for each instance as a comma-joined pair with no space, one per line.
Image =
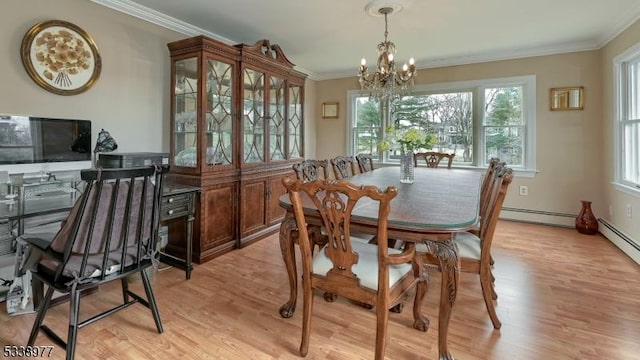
294,129
276,118
218,115
186,115
253,116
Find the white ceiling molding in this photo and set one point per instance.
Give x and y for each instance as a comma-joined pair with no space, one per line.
487,57
168,22
154,17
630,17
144,13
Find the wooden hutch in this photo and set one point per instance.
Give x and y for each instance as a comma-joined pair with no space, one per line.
236,129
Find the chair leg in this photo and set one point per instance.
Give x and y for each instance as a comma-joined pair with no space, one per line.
420,322
42,311
487,286
152,300
382,318
125,290
307,307
74,313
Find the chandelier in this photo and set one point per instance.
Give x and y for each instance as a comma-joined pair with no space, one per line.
387,83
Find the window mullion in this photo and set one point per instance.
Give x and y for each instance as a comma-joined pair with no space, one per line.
479,126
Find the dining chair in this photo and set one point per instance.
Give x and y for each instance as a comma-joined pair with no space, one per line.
475,249
344,167
310,170
110,234
487,181
362,272
433,159
365,162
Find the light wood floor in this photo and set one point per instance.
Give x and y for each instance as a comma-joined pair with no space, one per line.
562,295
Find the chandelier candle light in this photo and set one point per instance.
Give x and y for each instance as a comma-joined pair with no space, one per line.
387,83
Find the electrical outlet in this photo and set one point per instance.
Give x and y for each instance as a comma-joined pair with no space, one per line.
524,190
629,210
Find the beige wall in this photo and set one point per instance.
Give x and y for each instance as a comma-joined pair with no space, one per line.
615,199
569,143
130,99
310,118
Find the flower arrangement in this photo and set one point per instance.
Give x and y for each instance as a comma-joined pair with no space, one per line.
405,139
63,53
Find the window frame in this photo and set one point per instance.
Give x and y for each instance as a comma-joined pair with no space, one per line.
621,105
477,87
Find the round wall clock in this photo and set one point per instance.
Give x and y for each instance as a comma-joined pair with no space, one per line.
61,57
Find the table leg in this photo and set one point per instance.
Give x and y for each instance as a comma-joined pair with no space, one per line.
188,260
287,230
447,254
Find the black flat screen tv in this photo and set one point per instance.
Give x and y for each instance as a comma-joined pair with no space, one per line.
39,140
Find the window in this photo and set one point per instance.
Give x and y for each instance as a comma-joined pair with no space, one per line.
627,118
476,120
504,125
367,128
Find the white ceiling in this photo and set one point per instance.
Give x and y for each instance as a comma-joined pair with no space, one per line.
327,38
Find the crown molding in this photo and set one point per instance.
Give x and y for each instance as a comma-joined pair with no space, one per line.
483,57
631,16
144,13
160,19
168,22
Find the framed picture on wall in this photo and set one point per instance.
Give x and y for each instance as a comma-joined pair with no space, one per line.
330,110
566,98
60,57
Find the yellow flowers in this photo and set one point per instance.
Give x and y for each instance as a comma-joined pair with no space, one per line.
405,139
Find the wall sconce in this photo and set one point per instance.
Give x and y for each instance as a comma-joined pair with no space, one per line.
566,98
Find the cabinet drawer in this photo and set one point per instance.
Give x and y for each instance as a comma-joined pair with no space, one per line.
175,206
174,210
169,200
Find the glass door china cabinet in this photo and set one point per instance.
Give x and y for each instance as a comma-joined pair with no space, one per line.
236,129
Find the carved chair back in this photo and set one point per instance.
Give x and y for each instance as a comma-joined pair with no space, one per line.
487,183
433,159
497,193
365,162
344,167
310,170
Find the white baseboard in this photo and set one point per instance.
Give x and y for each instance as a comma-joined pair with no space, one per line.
623,241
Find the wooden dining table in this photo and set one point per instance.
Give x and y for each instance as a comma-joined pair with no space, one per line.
439,203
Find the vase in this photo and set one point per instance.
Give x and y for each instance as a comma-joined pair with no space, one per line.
406,167
586,221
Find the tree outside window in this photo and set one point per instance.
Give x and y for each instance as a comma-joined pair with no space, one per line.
474,120
503,124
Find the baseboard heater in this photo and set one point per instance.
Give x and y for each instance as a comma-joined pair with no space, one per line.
624,242
620,239
538,217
